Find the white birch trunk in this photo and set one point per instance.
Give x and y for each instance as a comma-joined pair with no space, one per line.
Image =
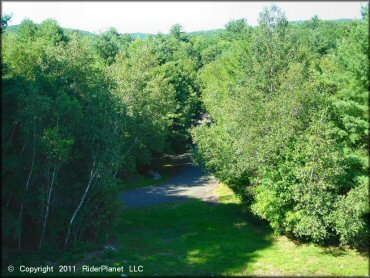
92,176
20,216
42,239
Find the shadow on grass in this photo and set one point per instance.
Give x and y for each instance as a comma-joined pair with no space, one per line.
189,238
335,252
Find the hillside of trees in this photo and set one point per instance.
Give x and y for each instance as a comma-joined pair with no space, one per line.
278,112
207,33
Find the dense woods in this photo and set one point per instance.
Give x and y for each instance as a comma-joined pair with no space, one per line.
289,125
278,112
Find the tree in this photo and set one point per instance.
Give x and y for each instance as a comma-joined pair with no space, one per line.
286,132
345,75
110,43
177,32
4,22
50,31
236,30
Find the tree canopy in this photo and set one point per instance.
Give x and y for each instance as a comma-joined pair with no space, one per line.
278,112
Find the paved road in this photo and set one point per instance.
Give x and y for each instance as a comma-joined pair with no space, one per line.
188,183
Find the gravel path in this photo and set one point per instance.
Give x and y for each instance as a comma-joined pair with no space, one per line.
189,182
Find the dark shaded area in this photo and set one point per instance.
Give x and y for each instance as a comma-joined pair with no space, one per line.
336,252
188,181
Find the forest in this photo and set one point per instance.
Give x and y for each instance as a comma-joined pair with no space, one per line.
277,112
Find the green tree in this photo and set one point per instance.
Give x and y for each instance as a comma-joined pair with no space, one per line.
109,43
4,22
286,132
177,32
236,30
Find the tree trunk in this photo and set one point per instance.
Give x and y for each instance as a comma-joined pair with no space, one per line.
42,239
92,176
127,152
6,147
20,216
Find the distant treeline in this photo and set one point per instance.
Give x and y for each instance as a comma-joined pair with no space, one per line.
15,28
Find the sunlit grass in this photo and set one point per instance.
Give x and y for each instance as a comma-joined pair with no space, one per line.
199,238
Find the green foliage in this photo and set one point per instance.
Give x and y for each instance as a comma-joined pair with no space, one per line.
288,125
236,30
303,186
148,94
79,113
4,22
279,112
57,147
346,72
177,32
50,30
63,123
109,43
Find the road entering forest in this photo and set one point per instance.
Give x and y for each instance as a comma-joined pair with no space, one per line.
188,182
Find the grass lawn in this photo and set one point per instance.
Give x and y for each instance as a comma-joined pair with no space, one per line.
198,238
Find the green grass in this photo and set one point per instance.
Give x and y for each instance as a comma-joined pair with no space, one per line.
198,238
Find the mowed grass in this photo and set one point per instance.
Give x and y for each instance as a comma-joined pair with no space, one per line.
195,238
198,238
